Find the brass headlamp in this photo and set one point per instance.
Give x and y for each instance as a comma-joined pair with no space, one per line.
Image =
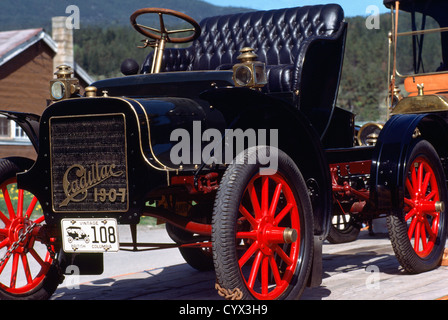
65,85
249,72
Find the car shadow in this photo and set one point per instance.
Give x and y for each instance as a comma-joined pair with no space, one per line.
349,272
178,282
351,267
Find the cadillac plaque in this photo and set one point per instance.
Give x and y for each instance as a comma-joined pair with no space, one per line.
88,163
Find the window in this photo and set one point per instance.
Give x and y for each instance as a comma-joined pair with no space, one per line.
19,134
4,128
11,133
418,52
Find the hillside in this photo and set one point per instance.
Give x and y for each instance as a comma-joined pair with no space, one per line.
106,38
22,14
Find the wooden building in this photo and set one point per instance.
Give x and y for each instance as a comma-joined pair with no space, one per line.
27,64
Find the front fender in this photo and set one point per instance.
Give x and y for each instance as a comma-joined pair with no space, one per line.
29,123
392,151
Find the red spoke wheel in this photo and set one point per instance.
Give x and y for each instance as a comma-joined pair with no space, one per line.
418,233
262,231
26,268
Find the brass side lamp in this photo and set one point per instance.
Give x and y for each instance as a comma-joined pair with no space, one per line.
65,85
249,72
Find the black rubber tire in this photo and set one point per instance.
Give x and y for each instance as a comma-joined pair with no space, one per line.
226,213
9,167
349,234
200,259
398,227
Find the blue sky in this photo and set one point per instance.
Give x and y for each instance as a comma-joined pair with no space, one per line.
351,7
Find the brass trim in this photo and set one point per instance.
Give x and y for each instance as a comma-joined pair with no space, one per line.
421,104
440,206
360,137
53,205
65,76
419,32
256,69
420,88
127,100
290,235
419,74
158,56
165,168
90,91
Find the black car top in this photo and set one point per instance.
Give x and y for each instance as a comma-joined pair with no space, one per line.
434,8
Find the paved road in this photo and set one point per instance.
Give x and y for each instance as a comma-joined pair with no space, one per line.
364,269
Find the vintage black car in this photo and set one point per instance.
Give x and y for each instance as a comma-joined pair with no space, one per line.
75,234
236,143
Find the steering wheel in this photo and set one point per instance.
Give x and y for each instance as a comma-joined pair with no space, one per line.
163,33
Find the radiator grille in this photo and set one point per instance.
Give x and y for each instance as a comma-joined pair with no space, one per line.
88,163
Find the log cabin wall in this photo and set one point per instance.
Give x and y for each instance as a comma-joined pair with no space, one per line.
24,87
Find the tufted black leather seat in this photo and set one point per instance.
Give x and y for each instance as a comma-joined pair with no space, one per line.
278,37
302,47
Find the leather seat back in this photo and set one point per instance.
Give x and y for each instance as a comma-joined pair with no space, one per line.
276,35
302,47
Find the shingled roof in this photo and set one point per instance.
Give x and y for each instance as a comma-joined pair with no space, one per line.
13,43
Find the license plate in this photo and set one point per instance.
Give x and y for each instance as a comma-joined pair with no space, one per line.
90,235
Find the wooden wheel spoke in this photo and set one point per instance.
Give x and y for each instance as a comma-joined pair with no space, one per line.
4,219
14,270
20,203
4,243
264,194
254,201
420,176
265,275
39,220
283,255
248,254
31,207
246,235
275,199
37,257
414,179
417,236
410,214
254,270
8,203
282,214
26,268
430,195
275,270
412,228
426,183
246,214
409,187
